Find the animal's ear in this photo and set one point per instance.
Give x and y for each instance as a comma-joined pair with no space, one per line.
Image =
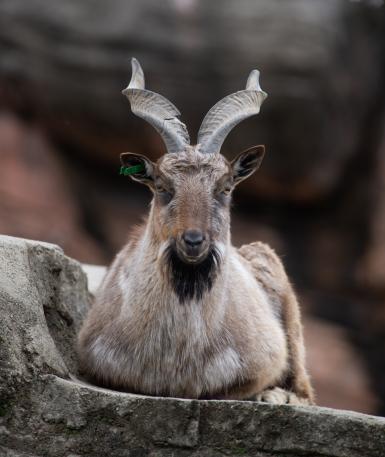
247,162
138,167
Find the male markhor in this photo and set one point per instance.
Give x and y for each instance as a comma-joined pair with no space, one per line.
181,312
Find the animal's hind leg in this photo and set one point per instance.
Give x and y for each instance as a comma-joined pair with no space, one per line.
269,272
297,379
295,388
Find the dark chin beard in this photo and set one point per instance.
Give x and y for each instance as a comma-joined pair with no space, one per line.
189,280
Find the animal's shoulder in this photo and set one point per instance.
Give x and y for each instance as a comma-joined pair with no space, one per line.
134,236
119,264
265,265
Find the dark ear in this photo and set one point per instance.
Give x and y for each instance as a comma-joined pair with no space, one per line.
247,162
138,167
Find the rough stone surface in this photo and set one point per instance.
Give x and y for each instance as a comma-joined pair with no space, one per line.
46,411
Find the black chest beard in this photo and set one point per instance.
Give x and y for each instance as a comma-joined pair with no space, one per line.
192,281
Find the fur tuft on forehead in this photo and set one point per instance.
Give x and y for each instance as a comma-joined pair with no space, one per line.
191,160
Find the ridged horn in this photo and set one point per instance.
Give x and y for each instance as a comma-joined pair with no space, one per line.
229,112
156,110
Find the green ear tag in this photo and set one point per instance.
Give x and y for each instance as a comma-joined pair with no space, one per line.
131,170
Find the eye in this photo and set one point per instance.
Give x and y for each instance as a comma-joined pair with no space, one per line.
226,190
165,195
222,195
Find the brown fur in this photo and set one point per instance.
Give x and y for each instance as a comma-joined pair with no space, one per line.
239,338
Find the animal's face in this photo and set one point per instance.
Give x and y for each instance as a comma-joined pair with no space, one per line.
192,194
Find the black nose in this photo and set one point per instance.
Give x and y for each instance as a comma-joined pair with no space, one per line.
193,237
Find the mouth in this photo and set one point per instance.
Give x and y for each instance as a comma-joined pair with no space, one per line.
191,254
192,257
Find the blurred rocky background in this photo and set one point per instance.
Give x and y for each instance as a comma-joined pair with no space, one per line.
319,198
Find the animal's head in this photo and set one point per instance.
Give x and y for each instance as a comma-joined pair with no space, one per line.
192,185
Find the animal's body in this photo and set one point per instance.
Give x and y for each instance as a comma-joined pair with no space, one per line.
184,313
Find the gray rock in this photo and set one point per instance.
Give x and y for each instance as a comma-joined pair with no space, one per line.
46,411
